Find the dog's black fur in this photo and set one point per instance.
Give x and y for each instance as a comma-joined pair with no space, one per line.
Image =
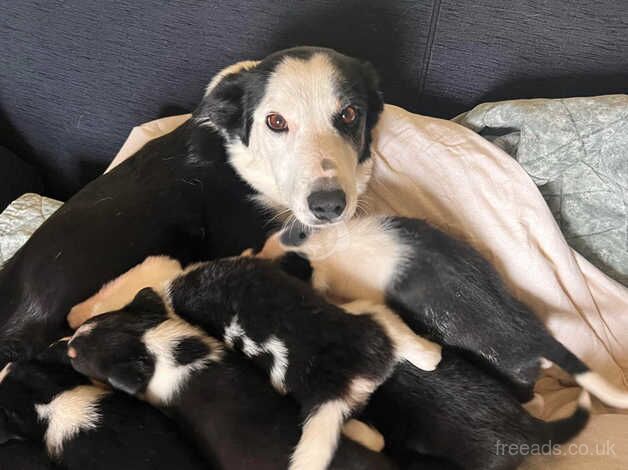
178,196
227,406
24,455
129,433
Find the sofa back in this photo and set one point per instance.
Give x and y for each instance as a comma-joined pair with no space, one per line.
77,75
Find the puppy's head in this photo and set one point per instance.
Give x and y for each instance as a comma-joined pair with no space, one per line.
140,349
298,128
27,383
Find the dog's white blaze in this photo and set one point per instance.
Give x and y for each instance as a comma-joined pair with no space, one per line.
5,371
319,437
169,376
69,413
283,166
279,351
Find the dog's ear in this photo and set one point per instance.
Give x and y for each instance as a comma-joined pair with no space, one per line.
375,96
131,377
147,301
224,103
8,431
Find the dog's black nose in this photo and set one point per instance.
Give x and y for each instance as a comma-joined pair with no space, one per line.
326,204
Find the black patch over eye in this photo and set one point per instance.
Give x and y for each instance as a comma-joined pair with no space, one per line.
276,122
190,349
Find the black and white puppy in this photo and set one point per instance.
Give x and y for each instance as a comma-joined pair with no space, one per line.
462,415
222,400
329,361
291,131
441,287
44,401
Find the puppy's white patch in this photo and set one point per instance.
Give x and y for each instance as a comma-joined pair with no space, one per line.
169,376
69,413
5,371
364,435
279,351
355,260
273,346
154,272
319,437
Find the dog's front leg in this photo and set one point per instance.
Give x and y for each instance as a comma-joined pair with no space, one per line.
420,352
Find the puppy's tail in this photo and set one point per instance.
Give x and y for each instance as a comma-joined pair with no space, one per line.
562,430
608,393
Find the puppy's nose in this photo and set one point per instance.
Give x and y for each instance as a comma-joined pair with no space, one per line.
327,204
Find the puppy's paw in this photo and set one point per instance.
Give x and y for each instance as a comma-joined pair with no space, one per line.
273,248
423,354
364,434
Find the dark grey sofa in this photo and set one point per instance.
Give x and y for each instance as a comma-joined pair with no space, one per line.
76,75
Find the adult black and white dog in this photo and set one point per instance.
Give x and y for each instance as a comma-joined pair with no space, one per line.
290,133
45,402
441,287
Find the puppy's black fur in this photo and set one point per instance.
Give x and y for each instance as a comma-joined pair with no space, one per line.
179,195
226,405
459,413
444,289
128,434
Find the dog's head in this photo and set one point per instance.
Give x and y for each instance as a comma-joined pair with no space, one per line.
141,349
298,128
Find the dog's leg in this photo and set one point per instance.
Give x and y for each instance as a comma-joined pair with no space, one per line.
409,346
364,434
320,435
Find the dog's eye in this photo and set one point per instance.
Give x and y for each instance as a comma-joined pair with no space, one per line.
276,122
349,115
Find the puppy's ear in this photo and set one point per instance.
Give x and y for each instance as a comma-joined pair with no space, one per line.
8,431
147,301
375,96
224,103
131,377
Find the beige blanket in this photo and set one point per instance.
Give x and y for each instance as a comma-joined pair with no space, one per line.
440,171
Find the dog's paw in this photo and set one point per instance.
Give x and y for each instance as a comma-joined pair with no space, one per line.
424,356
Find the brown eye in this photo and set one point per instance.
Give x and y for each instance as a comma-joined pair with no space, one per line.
276,122
349,115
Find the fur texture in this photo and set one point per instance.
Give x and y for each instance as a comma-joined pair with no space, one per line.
217,396
83,426
443,288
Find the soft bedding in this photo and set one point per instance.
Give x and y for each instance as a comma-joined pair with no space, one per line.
447,174
576,152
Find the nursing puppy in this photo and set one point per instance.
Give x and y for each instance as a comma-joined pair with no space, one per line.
441,287
329,361
81,426
290,133
217,396
463,415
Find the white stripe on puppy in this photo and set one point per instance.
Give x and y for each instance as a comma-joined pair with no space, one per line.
69,413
